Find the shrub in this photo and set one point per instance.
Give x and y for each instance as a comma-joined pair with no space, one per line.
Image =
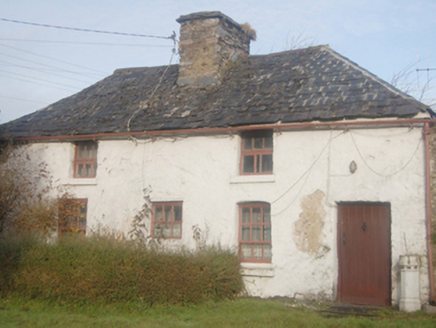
25,204
105,269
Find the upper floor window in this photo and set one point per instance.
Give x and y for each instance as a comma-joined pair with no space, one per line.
85,160
255,232
257,153
167,220
72,217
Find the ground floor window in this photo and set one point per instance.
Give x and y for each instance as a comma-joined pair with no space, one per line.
255,232
167,220
72,217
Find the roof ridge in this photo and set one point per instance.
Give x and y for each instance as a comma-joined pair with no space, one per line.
139,69
321,46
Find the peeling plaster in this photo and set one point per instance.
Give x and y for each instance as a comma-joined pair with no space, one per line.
308,233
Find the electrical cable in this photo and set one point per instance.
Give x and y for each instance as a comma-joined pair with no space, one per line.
41,71
90,75
54,59
89,43
307,171
20,99
55,85
86,30
43,84
295,198
374,171
144,106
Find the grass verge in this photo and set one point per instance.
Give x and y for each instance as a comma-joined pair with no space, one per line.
16,312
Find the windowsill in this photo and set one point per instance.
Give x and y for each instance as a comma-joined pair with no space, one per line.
82,182
257,269
267,178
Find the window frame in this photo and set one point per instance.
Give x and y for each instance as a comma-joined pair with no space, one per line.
251,224
92,160
257,153
172,222
69,228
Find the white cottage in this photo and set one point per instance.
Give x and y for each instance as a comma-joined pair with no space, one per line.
313,168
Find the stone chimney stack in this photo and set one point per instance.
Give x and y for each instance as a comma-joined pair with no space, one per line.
208,42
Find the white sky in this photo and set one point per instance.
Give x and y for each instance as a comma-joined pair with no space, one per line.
382,36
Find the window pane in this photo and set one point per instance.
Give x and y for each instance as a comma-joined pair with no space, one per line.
248,164
82,221
266,215
267,163
79,170
81,151
255,232
245,215
267,233
158,213
177,213
177,230
268,142
168,212
258,143
245,233
257,251
87,170
256,215
267,254
246,251
166,231
94,170
257,163
157,231
247,142
89,151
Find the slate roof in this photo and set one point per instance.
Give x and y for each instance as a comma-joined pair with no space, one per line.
312,84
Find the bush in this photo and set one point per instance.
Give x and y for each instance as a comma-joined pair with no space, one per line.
104,269
25,185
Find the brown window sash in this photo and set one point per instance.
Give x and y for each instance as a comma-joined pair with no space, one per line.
167,220
255,232
72,217
256,153
85,160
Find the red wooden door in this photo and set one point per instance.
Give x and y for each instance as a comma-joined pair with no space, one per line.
364,253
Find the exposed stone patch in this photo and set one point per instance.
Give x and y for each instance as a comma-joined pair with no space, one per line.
308,233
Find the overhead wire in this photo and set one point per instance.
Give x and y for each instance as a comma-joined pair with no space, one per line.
21,99
89,43
43,84
55,59
144,106
40,80
90,75
39,70
86,29
304,174
378,173
89,70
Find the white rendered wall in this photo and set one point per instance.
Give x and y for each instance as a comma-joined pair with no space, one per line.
311,174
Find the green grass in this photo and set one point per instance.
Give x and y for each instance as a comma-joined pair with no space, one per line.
16,312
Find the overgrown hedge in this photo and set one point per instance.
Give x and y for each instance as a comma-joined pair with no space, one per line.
103,269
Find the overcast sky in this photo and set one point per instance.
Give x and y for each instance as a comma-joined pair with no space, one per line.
39,65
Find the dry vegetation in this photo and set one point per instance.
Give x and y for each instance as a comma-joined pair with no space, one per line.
103,267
